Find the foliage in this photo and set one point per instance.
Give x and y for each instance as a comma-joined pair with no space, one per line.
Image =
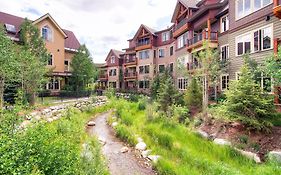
33,57
83,70
272,67
168,94
246,102
183,152
51,148
155,87
8,63
125,134
110,92
193,95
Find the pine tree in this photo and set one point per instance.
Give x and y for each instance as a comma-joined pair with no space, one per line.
193,95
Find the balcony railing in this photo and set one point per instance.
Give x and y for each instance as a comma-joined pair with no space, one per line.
130,74
103,76
202,37
143,43
277,8
131,59
194,66
180,24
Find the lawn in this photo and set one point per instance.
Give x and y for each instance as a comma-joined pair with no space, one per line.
182,151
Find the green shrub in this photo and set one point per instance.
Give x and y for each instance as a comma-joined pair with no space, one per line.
125,134
142,105
193,95
243,139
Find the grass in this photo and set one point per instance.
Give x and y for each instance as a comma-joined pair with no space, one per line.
182,151
53,148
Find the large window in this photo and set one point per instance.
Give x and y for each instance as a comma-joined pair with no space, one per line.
47,33
224,82
182,40
224,53
171,50
112,72
246,7
54,84
144,69
144,84
161,53
144,54
161,68
254,41
224,23
182,83
165,36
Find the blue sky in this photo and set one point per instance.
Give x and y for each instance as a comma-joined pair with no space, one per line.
100,24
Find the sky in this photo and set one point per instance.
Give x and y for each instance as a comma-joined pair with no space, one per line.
100,24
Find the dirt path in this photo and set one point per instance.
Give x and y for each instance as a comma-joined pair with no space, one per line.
118,163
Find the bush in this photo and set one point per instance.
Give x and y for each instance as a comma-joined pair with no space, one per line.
125,134
193,95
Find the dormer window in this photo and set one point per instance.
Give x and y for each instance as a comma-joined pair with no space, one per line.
47,33
112,60
10,28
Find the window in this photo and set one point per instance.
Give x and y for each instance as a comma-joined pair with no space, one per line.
161,68
257,40
66,65
165,36
161,53
224,53
146,69
144,54
171,67
224,23
182,40
243,44
182,83
50,60
143,41
265,83
112,60
112,84
246,7
54,84
224,82
171,50
10,28
112,72
141,70
144,84
47,33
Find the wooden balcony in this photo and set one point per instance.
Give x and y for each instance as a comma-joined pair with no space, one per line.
143,46
196,43
130,75
180,28
103,77
130,61
277,8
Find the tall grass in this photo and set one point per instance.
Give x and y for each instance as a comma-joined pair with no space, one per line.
183,152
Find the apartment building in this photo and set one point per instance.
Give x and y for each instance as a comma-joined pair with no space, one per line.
60,43
233,27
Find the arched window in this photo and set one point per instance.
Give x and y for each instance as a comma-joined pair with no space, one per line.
47,33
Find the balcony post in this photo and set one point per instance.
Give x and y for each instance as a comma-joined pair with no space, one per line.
209,28
275,2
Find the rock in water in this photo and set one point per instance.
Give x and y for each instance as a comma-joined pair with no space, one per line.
154,158
91,123
146,153
124,149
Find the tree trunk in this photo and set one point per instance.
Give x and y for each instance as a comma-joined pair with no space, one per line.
2,85
32,99
205,95
216,93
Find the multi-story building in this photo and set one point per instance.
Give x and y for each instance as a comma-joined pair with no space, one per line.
60,43
233,27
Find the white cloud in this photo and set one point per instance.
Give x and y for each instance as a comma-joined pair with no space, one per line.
100,24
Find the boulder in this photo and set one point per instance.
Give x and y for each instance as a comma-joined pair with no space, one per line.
222,142
91,123
154,158
24,124
33,114
203,134
114,124
250,155
139,139
141,146
124,149
146,153
275,156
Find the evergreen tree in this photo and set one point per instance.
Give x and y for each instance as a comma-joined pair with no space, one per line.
193,95
246,101
8,63
83,70
155,87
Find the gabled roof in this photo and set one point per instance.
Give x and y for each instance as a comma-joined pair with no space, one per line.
115,52
53,21
185,3
71,41
148,29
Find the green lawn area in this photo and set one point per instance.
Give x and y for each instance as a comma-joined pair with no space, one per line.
182,151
